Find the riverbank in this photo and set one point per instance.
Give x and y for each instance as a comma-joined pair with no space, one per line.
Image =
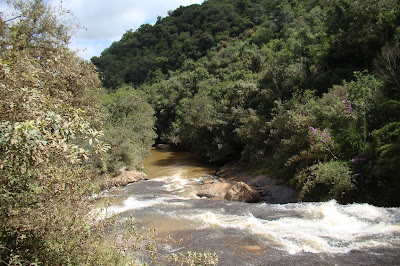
271,190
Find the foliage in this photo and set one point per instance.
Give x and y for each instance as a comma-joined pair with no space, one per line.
333,178
261,80
52,151
193,258
50,144
387,64
128,128
387,153
187,33
199,121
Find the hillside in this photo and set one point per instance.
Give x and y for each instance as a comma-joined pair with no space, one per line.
306,91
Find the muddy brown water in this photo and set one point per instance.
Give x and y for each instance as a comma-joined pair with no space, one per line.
325,233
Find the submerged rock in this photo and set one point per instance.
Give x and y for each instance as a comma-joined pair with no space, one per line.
126,177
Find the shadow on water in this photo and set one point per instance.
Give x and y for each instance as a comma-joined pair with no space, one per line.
165,162
166,157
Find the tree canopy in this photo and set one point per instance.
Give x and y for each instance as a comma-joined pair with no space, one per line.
296,87
52,152
307,91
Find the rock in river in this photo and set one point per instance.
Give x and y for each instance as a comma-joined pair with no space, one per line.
271,190
126,177
163,146
243,193
214,190
237,191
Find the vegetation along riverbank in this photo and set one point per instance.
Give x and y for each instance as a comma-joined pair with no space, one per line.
304,93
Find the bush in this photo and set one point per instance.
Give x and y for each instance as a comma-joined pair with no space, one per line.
325,181
49,144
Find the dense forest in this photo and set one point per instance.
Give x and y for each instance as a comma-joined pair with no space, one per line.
306,91
59,142
51,148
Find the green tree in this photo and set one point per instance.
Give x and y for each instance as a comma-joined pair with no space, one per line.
201,126
387,150
269,77
50,143
129,127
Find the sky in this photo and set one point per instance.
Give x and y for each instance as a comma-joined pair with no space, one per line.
105,21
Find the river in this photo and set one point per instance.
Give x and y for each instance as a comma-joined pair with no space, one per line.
324,233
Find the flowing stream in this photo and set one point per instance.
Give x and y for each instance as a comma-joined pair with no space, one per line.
254,234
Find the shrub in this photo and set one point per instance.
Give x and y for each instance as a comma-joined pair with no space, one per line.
49,144
325,181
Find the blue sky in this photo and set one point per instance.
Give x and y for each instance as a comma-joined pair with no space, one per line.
105,21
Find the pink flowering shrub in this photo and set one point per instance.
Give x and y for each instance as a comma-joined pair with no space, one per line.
346,108
321,135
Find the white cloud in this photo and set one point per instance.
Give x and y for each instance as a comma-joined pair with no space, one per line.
105,21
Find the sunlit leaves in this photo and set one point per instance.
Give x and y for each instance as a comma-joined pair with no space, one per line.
129,128
334,179
49,114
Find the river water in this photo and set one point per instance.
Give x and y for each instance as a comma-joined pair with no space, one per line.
254,234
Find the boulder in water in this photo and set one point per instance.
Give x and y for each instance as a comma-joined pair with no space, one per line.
271,190
238,191
163,146
214,190
126,177
243,193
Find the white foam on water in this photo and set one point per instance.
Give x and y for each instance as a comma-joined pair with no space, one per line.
133,203
174,183
321,227
180,183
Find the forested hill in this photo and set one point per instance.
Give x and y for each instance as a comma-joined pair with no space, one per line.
337,37
307,91
188,32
